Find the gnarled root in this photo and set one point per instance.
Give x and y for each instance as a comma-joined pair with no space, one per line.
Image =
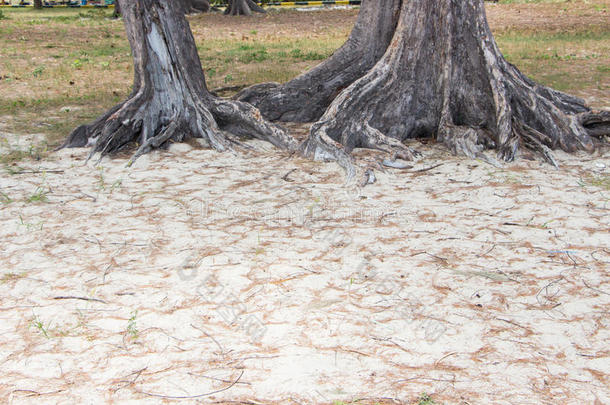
597,124
140,122
245,120
322,146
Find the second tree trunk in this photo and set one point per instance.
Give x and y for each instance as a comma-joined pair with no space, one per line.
305,98
444,77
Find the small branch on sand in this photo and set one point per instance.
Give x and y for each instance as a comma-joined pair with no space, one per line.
37,171
285,177
594,289
427,168
32,393
192,396
79,298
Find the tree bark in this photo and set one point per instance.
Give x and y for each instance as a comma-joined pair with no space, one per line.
117,9
305,98
243,7
196,6
170,101
444,77
37,3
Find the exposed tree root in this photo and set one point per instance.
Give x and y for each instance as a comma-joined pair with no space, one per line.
597,124
305,98
443,76
322,147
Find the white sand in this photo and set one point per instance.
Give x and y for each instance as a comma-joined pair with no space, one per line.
470,283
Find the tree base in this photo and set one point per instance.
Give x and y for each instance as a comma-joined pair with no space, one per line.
445,78
243,7
214,121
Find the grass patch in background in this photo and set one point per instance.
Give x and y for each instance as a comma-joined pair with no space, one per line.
571,61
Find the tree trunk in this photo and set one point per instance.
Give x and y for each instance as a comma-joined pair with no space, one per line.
243,7
37,3
196,6
305,98
443,76
117,9
170,101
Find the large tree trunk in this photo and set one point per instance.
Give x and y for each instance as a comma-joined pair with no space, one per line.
243,7
443,76
170,101
305,98
195,6
37,3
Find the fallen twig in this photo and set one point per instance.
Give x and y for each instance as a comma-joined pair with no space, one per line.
79,298
217,379
36,393
285,177
133,380
436,363
150,394
431,255
488,252
37,171
222,350
427,168
594,289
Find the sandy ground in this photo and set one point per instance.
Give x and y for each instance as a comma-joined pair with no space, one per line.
261,278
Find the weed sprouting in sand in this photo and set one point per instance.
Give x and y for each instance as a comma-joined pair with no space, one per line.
39,325
8,277
39,196
30,226
425,399
5,199
132,327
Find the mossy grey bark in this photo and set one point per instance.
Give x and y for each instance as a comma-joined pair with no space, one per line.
170,101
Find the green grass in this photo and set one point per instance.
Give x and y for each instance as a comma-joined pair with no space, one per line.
132,327
39,196
39,325
569,61
8,277
34,152
596,180
5,199
425,399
